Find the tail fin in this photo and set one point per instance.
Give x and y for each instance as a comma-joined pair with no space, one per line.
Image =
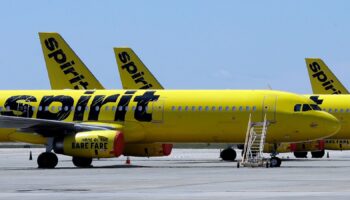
133,73
323,81
64,67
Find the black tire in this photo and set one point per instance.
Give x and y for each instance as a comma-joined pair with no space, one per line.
228,154
82,162
317,154
47,160
300,154
275,162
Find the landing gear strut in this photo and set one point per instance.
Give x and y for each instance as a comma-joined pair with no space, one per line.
228,154
47,160
82,162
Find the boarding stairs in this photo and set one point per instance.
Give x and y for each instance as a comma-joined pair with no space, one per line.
254,144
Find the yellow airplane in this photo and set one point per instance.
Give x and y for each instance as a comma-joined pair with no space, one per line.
59,79
323,81
88,124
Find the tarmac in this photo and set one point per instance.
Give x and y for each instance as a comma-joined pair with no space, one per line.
186,174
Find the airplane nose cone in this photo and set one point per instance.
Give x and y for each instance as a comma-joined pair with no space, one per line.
329,125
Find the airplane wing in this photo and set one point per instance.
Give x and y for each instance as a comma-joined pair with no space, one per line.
49,128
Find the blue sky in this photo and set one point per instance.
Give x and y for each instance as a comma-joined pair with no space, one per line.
186,44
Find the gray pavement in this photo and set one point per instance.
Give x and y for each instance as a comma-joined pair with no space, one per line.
186,174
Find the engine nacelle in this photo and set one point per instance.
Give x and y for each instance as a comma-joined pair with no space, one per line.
147,150
91,144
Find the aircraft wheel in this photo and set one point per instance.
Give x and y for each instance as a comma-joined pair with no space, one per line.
228,154
317,154
82,162
47,160
300,154
275,162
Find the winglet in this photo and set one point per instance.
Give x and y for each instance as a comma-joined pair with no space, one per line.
64,67
323,81
133,73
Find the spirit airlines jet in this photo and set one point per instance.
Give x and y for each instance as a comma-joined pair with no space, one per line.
59,80
88,124
332,96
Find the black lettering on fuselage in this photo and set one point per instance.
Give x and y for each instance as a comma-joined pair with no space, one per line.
62,114
131,68
20,105
67,67
322,77
123,102
142,115
98,102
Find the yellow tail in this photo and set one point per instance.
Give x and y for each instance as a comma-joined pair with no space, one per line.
133,73
64,67
323,81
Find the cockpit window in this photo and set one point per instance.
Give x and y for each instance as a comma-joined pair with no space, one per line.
297,108
306,107
315,107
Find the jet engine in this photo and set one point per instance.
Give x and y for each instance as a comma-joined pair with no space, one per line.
91,144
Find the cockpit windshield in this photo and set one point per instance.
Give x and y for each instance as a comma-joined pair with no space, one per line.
306,107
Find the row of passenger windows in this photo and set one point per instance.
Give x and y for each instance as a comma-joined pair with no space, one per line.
140,108
213,108
335,110
337,141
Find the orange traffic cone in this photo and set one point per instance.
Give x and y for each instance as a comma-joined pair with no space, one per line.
128,162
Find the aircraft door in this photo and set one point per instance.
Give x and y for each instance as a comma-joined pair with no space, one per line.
158,111
269,108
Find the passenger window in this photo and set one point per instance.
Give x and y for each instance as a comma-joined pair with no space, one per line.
114,108
126,108
241,108
46,108
193,108
87,108
306,107
206,108
199,108
220,108
173,108
97,108
40,108
79,108
297,108
254,108
341,110
233,108
72,108
53,108
247,108
179,108
107,108
335,110
139,108
186,108
330,110
33,108
59,108
133,108
66,108
120,108
213,108
227,108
